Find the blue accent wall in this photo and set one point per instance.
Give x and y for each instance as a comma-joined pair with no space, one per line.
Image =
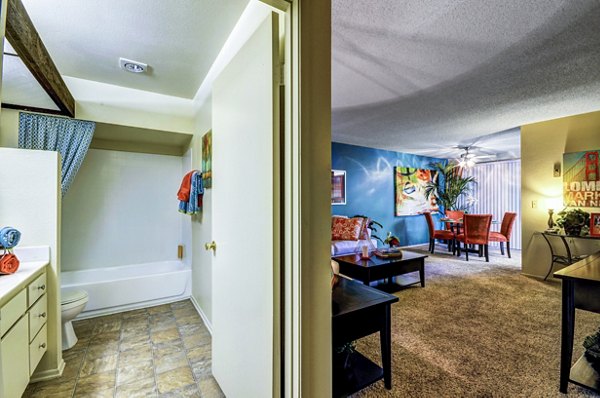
370,189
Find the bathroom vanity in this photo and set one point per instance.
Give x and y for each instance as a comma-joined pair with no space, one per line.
23,325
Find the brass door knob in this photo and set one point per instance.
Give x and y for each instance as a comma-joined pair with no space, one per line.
211,246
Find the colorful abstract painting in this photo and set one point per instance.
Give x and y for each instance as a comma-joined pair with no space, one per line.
581,179
207,160
410,191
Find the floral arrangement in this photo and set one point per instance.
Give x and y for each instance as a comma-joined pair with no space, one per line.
575,222
392,240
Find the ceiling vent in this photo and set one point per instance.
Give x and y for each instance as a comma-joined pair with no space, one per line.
132,66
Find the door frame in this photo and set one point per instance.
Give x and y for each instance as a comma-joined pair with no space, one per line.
302,310
306,231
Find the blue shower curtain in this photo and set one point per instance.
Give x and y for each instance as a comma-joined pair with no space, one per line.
70,137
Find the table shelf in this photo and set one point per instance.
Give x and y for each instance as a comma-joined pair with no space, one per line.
364,372
583,374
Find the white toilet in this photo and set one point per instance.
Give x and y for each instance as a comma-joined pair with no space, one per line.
72,302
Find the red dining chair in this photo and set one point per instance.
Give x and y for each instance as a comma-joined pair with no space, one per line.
455,228
437,233
505,231
454,215
476,232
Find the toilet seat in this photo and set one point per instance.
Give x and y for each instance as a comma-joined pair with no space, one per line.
72,298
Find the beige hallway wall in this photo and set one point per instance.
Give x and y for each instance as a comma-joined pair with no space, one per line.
543,145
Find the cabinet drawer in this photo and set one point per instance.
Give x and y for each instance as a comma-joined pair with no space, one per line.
37,349
37,316
12,311
36,289
14,361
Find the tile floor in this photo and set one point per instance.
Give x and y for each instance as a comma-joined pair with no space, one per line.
160,351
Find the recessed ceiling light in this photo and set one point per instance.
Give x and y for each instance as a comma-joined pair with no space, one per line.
132,66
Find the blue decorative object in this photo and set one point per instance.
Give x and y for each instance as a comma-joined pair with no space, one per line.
9,237
70,137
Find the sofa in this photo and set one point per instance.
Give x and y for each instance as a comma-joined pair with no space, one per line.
348,235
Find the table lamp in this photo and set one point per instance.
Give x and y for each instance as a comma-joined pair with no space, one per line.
553,204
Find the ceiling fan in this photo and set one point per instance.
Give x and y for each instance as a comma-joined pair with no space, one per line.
468,158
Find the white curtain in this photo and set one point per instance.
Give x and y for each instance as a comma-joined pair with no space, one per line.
497,191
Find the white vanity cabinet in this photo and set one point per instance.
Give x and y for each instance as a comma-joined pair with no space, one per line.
23,333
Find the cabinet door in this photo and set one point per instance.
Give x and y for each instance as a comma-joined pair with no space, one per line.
37,317
14,360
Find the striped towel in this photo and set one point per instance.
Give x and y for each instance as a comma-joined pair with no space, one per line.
194,203
9,237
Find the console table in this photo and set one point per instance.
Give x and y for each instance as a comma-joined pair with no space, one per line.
581,290
568,258
359,311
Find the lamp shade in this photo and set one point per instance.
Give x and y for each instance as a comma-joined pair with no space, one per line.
554,203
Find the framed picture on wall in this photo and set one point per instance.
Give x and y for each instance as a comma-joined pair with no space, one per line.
409,184
595,224
207,160
338,187
580,174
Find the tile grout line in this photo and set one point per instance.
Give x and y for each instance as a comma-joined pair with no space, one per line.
118,358
87,347
186,351
153,358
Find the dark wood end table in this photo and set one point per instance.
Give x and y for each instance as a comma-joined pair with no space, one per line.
581,290
358,311
375,268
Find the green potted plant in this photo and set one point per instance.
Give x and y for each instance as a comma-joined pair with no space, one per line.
575,222
343,361
592,349
372,225
448,185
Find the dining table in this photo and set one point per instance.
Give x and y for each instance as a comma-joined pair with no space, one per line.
457,223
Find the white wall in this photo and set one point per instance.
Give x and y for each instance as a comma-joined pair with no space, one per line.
30,201
107,103
121,210
202,225
9,128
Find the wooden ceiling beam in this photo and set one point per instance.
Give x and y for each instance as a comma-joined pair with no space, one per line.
26,41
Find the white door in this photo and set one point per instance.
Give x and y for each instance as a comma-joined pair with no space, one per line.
245,223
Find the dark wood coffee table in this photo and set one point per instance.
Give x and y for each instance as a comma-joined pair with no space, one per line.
376,268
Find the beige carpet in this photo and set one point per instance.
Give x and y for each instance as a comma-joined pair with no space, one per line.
477,329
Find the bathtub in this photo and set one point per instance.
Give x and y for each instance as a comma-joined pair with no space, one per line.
128,287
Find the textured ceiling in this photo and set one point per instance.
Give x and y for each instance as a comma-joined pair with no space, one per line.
179,40
417,76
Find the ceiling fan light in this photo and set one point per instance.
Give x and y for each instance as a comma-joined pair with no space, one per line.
470,163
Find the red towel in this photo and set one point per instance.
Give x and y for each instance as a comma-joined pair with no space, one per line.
9,264
186,185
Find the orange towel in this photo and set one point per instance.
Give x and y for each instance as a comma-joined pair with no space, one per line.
9,264
186,185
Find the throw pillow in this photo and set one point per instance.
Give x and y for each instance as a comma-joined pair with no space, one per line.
364,231
346,228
